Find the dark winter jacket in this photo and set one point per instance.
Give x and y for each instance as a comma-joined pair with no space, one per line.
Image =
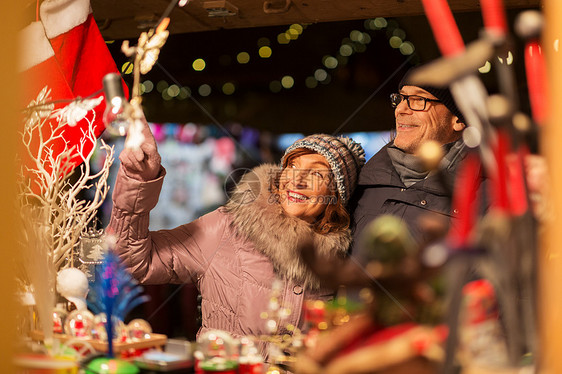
381,191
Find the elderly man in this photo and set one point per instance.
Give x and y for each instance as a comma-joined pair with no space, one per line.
394,181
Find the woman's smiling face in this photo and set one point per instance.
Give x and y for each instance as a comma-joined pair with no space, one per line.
306,187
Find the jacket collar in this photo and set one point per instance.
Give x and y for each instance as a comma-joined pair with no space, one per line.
258,216
380,171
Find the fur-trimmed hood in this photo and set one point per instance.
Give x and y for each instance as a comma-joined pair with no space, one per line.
258,216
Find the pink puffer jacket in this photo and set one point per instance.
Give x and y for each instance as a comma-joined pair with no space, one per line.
232,254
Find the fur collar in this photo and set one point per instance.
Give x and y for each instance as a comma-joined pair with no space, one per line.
258,216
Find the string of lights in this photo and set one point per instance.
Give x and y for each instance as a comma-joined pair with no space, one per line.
356,41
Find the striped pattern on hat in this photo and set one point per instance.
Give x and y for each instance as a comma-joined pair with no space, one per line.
344,155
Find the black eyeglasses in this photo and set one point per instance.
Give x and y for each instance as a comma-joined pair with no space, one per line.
415,102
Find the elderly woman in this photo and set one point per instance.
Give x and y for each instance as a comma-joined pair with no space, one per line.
234,253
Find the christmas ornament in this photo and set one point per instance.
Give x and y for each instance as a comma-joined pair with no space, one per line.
79,324
218,352
66,53
138,329
72,284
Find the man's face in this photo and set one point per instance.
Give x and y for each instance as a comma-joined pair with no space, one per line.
435,123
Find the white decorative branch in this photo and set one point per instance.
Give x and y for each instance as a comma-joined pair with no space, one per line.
50,184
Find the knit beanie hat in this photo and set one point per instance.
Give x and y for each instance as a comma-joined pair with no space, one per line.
344,155
443,94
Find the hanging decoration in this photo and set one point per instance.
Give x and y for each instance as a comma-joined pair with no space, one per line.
66,53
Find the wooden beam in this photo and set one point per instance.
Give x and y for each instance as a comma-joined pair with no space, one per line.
121,19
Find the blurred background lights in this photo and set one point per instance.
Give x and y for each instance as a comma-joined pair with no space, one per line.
320,75
173,90
243,57
359,47
283,38
509,58
204,90
292,34
147,86
399,33
265,52
407,48
185,92
262,42
366,38
556,44
311,82
486,68
369,24
356,36
166,96
275,86
380,23
298,28
228,88
161,86
199,64
346,50
330,62
127,68
287,81
395,42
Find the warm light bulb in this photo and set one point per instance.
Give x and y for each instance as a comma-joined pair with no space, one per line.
117,114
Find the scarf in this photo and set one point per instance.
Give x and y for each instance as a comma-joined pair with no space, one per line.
410,168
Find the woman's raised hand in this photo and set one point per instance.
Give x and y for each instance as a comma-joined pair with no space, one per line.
142,163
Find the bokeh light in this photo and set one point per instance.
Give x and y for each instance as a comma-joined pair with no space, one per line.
127,68
380,23
395,42
407,48
199,64
298,28
228,88
243,57
399,33
265,52
147,86
287,81
275,86
330,62
486,68
359,47
366,38
346,50
173,90
356,36
166,96
204,90
292,34
283,38
185,92
161,86
320,75
311,82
